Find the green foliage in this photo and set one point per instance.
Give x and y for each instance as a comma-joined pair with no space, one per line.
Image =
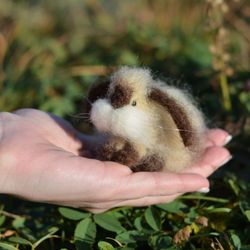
72,214
85,234
51,51
191,222
153,218
103,245
109,222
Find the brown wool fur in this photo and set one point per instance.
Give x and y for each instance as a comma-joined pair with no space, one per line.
178,114
118,150
149,125
150,163
97,90
121,96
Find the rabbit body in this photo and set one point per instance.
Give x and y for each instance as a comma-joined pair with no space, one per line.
147,124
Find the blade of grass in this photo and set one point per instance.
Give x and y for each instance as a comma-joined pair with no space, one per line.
205,198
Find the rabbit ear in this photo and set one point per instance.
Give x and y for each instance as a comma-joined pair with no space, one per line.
176,111
98,90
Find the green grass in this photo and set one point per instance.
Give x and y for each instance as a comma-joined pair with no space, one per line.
51,51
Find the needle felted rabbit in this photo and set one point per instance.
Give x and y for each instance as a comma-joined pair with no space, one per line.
146,124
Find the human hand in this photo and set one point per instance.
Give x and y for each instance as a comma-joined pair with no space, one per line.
40,161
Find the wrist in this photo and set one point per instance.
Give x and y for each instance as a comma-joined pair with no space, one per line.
4,155
1,128
1,153
2,167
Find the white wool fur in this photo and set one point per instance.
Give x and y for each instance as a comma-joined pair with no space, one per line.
128,121
138,78
131,123
100,113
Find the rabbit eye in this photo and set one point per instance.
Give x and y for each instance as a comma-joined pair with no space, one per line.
133,103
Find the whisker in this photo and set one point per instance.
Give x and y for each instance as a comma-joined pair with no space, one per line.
89,102
81,115
82,120
176,129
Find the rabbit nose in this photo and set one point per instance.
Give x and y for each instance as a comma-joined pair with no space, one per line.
121,96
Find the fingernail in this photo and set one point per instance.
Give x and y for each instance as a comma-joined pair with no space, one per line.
226,160
227,140
204,190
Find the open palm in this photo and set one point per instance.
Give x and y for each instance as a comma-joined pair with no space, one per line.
40,160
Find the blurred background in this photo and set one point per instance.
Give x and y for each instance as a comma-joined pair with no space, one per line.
51,51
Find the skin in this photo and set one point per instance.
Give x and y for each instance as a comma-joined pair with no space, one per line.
42,159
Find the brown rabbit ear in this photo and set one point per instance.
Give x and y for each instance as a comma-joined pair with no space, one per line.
98,90
177,112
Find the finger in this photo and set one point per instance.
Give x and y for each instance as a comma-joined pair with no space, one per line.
213,158
147,201
142,184
217,137
112,181
142,202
